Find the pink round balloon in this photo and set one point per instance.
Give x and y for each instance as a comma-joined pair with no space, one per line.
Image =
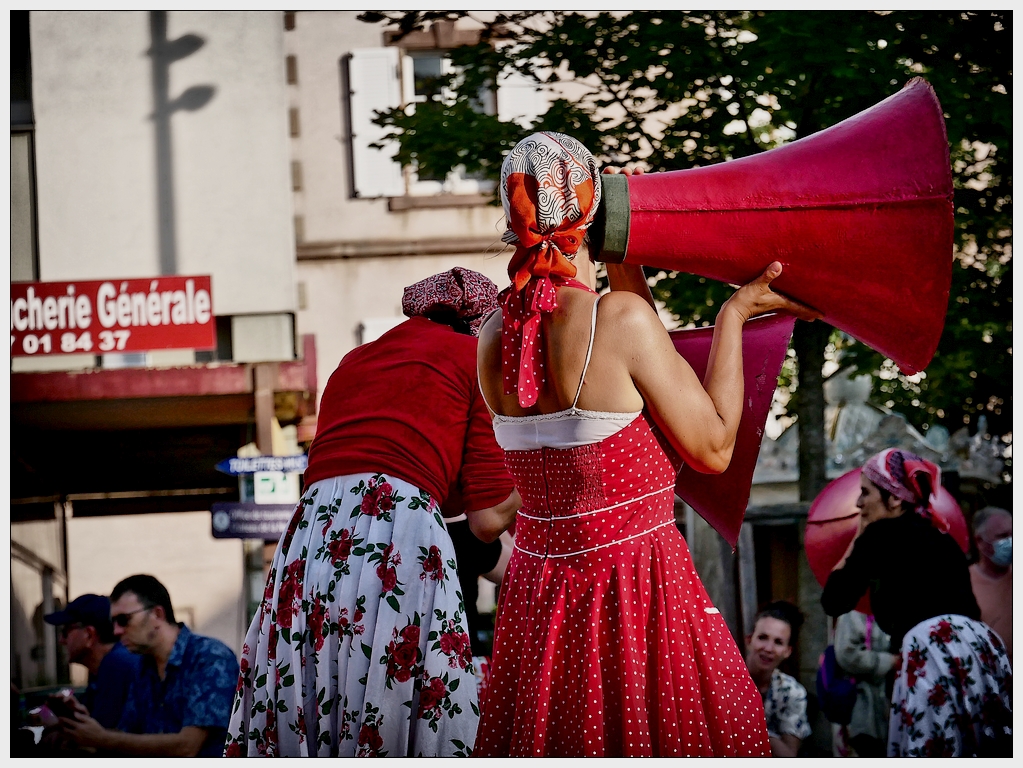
833,520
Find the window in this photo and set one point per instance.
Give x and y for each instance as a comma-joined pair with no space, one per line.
291,66
293,121
372,328
380,79
423,74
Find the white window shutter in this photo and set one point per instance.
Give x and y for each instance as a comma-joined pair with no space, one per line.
519,99
373,87
408,80
372,328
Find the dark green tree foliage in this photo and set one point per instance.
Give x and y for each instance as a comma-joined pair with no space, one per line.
682,89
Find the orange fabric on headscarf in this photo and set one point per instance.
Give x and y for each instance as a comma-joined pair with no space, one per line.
550,188
539,254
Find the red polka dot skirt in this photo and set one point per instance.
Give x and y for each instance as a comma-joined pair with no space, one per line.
606,642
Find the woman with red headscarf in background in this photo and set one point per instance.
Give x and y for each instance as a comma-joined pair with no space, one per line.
360,644
952,696
606,643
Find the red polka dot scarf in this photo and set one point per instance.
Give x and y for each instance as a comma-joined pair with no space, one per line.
899,473
469,295
550,188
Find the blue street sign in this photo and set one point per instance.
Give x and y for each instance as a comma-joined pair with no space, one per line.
253,464
240,520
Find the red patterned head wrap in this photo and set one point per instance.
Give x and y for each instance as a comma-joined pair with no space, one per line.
899,473
550,188
469,295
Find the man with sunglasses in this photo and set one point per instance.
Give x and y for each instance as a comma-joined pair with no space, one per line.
87,633
181,703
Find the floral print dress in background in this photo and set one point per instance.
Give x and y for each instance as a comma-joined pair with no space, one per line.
785,707
953,693
359,647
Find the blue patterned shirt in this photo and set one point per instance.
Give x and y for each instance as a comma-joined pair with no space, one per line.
108,691
197,690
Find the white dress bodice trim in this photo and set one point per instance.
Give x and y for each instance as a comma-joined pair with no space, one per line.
569,428
565,429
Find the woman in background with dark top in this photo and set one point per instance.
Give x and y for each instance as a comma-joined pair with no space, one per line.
952,695
360,644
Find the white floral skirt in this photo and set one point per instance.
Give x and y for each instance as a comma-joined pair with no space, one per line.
953,694
359,647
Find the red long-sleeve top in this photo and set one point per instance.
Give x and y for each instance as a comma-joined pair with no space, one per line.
409,405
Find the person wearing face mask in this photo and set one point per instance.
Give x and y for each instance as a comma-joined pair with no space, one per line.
952,696
991,575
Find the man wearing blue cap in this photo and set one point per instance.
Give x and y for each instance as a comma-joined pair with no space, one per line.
85,630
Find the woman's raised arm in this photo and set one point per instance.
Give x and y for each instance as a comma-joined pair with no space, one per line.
700,418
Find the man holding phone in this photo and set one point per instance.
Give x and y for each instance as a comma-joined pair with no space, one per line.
85,630
181,703
87,634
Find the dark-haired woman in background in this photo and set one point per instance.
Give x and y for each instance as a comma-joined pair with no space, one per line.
953,693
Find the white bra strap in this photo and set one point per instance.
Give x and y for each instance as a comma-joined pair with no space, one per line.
589,351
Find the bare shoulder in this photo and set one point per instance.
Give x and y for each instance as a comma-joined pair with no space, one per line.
627,313
490,338
490,332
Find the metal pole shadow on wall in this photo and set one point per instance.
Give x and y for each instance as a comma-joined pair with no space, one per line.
165,52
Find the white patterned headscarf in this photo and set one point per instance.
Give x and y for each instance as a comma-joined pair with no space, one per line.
550,189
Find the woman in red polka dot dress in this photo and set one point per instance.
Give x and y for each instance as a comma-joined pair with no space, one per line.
606,642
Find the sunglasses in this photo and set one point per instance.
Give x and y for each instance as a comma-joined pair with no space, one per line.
122,619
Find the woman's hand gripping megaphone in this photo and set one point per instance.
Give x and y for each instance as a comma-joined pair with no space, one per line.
756,298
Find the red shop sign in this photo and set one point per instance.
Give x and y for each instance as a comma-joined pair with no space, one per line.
100,316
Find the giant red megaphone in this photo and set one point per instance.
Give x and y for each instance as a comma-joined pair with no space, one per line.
859,214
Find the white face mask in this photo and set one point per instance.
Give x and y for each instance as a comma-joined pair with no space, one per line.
1002,556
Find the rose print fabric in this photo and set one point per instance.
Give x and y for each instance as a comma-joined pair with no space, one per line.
606,643
953,693
359,647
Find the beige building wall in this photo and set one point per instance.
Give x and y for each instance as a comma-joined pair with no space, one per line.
93,96
338,295
99,214
202,574
341,295
37,587
319,42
